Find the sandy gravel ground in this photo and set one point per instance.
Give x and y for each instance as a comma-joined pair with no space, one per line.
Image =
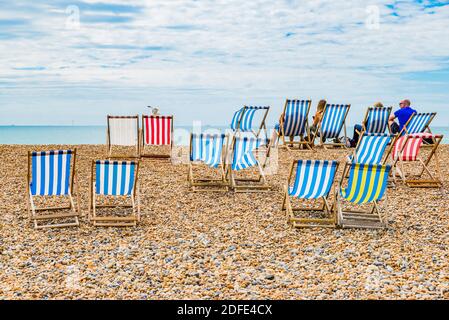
221,245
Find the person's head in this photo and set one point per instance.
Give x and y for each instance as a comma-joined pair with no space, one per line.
378,105
320,106
404,103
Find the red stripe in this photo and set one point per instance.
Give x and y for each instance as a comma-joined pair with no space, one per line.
169,121
147,133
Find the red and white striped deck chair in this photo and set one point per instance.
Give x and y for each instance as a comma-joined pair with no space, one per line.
157,133
123,134
407,150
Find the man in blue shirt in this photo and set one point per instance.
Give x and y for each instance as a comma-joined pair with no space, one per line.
403,115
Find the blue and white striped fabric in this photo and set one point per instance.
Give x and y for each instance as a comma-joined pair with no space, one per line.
314,179
207,148
371,148
419,122
295,117
50,173
333,120
114,178
243,155
377,120
245,117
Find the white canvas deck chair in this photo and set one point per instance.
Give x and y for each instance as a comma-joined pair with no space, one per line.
406,150
376,120
51,175
245,118
115,183
366,186
243,158
209,150
295,123
122,132
157,133
313,181
371,148
334,120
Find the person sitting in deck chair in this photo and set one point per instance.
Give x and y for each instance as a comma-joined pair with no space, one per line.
317,119
403,115
358,128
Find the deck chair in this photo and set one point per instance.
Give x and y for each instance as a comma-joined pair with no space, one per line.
294,123
376,120
406,150
334,120
114,180
418,123
313,181
243,157
157,131
123,131
51,174
243,120
367,184
210,150
371,148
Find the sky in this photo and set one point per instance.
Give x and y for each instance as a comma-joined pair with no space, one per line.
73,62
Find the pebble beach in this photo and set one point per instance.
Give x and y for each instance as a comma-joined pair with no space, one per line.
221,245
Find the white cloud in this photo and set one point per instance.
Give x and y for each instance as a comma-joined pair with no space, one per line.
223,53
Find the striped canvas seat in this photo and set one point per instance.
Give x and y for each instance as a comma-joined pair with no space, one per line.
314,179
407,147
243,155
367,183
243,119
333,120
377,119
51,174
295,117
371,148
207,148
114,178
157,130
419,123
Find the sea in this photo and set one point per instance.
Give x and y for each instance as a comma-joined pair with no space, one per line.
76,135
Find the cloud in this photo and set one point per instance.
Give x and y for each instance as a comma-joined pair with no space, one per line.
214,56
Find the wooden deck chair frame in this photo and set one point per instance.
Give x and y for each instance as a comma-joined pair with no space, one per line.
262,125
75,210
142,141
238,184
417,182
208,184
109,146
426,128
371,219
109,221
303,141
389,109
333,144
326,208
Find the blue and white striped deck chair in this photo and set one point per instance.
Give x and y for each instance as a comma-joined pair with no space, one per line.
313,180
334,120
209,149
367,184
119,180
295,123
418,123
50,174
371,148
243,120
243,157
376,120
